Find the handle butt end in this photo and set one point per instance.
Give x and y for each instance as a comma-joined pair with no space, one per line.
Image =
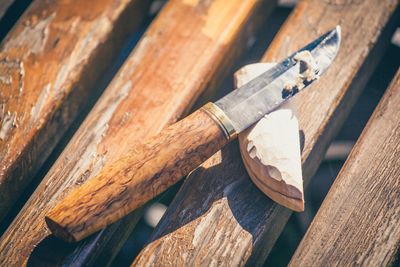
58,230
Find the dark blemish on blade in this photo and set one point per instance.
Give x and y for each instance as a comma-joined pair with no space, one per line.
308,72
287,92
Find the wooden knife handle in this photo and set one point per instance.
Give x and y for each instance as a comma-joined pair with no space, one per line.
146,171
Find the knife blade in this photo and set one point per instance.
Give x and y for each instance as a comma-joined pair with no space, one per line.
155,164
260,96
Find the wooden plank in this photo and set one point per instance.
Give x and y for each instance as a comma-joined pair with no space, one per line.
219,216
361,213
188,47
49,64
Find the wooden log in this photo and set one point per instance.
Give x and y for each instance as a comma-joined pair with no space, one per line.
219,216
188,47
49,64
361,213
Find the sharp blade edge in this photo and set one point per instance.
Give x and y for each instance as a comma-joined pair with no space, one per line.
249,103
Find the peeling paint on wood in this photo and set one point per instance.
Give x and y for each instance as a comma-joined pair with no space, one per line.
12,77
6,79
7,124
40,103
49,64
33,37
89,159
86,43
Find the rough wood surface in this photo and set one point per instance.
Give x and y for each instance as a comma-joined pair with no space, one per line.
188,47
49,64
219,217
270,149
359,220
148,169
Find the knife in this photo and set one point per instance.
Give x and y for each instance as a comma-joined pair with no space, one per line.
160,161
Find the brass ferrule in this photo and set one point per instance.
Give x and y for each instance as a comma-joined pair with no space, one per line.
219,117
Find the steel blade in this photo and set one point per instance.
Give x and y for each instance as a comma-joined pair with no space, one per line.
249,103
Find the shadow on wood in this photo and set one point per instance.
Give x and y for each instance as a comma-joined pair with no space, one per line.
214,188
50,252
220,229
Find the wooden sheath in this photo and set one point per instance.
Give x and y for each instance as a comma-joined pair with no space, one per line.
219,216
140,175
359,220
190,46
276,168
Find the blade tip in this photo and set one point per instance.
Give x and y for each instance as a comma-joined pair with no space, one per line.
338,30
337,33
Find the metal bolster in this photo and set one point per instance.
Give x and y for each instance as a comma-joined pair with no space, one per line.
219,117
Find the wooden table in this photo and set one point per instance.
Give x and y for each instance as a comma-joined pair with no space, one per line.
51,63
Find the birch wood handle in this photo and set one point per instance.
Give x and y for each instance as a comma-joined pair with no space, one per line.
148,170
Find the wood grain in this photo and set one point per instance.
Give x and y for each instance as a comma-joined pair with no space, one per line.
49,64
177,58
361,213
219,216
147,170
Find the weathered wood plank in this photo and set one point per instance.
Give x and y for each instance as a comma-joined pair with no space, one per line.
49,64
361,213
219,216
188,47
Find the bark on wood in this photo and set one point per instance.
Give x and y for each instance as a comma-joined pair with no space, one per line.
271,148
359,220
49,64
147,170
219,216
189,46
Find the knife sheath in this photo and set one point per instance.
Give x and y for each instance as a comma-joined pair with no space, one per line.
146,171
270,149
